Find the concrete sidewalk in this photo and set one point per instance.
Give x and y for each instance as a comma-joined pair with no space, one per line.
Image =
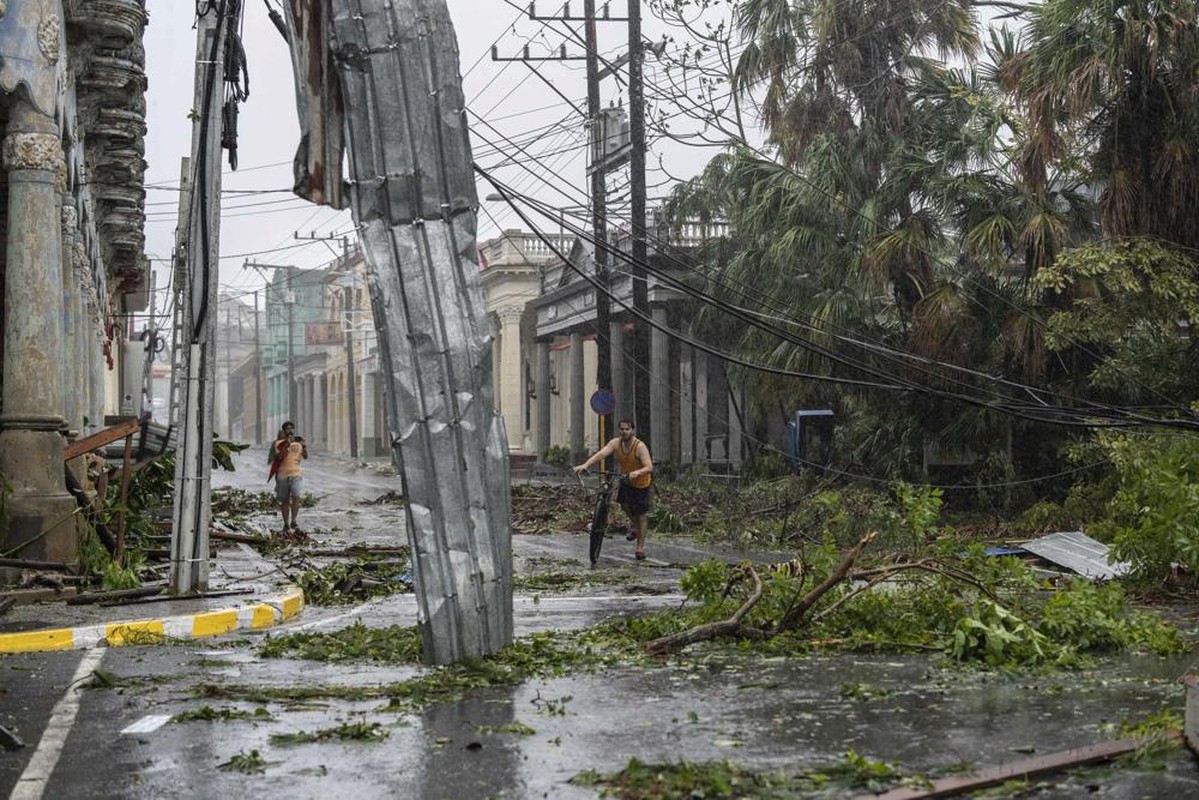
264,598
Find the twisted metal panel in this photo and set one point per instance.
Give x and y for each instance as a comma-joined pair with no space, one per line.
413,198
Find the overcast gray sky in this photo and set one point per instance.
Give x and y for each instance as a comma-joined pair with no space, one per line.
261,227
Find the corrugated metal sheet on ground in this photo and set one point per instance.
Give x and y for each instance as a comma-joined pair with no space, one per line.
1078,552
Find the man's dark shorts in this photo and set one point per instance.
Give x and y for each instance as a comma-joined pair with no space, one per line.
634,501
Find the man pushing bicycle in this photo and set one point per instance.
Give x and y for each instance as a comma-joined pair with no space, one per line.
637,471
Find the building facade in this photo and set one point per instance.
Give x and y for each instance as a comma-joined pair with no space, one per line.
72,203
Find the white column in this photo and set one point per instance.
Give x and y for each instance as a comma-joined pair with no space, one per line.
736,403
366,409
69,374
511,376
319,411
40,523
622,374
541,414
686,405
659,387
576,400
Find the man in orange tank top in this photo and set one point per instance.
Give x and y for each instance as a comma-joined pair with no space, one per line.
287,453
637,470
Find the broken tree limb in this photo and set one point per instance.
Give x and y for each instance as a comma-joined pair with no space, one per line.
933,566
795,614
845,598
118,594
732,626
874,577
25,563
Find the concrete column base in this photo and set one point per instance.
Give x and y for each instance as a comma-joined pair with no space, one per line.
36,524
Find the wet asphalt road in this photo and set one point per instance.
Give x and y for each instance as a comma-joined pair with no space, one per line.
772,714
529,740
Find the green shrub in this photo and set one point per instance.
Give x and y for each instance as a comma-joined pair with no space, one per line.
557,455
1151,517
1095,618
996,637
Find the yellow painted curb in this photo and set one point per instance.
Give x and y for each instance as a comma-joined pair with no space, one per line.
36,641
202,624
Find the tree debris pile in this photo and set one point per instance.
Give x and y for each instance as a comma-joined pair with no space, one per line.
546,508
975,609
344,582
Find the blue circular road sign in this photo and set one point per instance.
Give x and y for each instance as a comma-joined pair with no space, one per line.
603,402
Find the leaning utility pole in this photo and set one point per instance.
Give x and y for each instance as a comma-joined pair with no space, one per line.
641,328
259,411
599,220
601,164
193,463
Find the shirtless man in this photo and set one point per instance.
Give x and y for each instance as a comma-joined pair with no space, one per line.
637,470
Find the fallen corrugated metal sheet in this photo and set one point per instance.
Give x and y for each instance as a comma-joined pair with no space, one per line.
1079,553
412,193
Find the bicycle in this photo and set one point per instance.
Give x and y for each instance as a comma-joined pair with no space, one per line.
599,516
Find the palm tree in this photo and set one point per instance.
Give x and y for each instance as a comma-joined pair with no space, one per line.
1115,82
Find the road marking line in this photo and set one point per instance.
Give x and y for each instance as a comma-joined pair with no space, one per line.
32,785
147,724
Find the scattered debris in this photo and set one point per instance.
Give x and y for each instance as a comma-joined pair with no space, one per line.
209,714
348,732
248,763
351,582
391,645
244,538
9,740
389,498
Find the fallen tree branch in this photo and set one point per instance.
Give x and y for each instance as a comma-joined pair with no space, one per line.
847,597
729,627
931,565
794,615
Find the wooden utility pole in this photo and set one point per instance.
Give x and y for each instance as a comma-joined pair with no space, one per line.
599,220
597,171
259,412
641,328
351,377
